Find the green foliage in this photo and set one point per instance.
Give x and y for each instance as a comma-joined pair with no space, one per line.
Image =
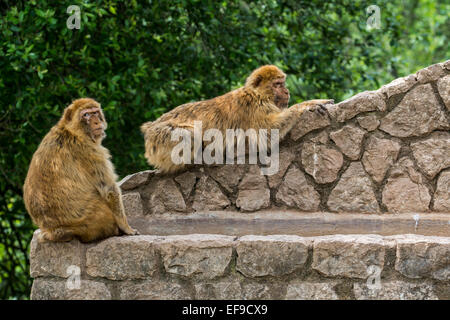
140,59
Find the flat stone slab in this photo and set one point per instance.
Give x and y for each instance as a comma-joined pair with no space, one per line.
294,223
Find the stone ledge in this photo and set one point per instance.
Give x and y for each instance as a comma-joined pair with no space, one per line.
208,266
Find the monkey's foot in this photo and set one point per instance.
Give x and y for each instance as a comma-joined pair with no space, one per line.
58,235
131,232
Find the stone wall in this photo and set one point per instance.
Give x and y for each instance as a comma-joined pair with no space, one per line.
383,151
200,266
360,209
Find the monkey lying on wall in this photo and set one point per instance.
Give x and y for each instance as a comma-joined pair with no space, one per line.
260,104
70,190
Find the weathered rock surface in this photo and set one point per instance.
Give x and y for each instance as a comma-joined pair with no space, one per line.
321,162
285,159
208,196
50,289
348,255
300,290
186,181
253,191
433,153
405,190
135,180
423,257
369,122
398,86
395,290
54,258
349,139
444,90
198,256
417,114
297,192
379,156
259,256
431,73
154,290
442,195
120,258
354,192
132,203
228,175
362,102
308,122
166,197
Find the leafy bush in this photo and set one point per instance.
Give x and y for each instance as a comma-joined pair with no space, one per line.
140,59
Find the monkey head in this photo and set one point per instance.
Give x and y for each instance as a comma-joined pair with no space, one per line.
84,116
270,82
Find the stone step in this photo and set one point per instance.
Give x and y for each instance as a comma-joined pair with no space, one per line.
291,222
208,266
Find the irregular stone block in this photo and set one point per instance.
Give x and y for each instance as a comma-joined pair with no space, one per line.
354,192
228,175
132,203
433,153
443,85
405,190
395,290
154,290
285,159
431,73
442,194
369,122
299,290
349,139
253,191
308,122
201,256
54,258
262,291
51,289
166,198
186,181
227,289
423,257
398,86
417,114
135,180
208,196
120,258
348,255
379,156
295,191
321,162
362,102
259,256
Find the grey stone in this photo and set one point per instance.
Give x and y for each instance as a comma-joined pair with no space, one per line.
433,153
253,191
259,256
132,203
321,162
442,194
354,192
120,258
154,290
135,180
186,181
395,290
200,256
431,73
443,85
285,159
417,114
295,191
398,86
208,196
349,139
52,289
308,122
166,197
379,156
228,175
299,290
405,190
369,122
362,102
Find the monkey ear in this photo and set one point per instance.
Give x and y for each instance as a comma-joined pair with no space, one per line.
68,114
257,81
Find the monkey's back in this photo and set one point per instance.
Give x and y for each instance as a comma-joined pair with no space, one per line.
60,184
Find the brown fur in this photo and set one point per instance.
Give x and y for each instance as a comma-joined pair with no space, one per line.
70,189
252,106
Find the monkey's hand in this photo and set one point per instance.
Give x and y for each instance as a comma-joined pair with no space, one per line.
319,105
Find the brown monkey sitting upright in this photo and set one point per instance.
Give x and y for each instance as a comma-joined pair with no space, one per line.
260,104
70,190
